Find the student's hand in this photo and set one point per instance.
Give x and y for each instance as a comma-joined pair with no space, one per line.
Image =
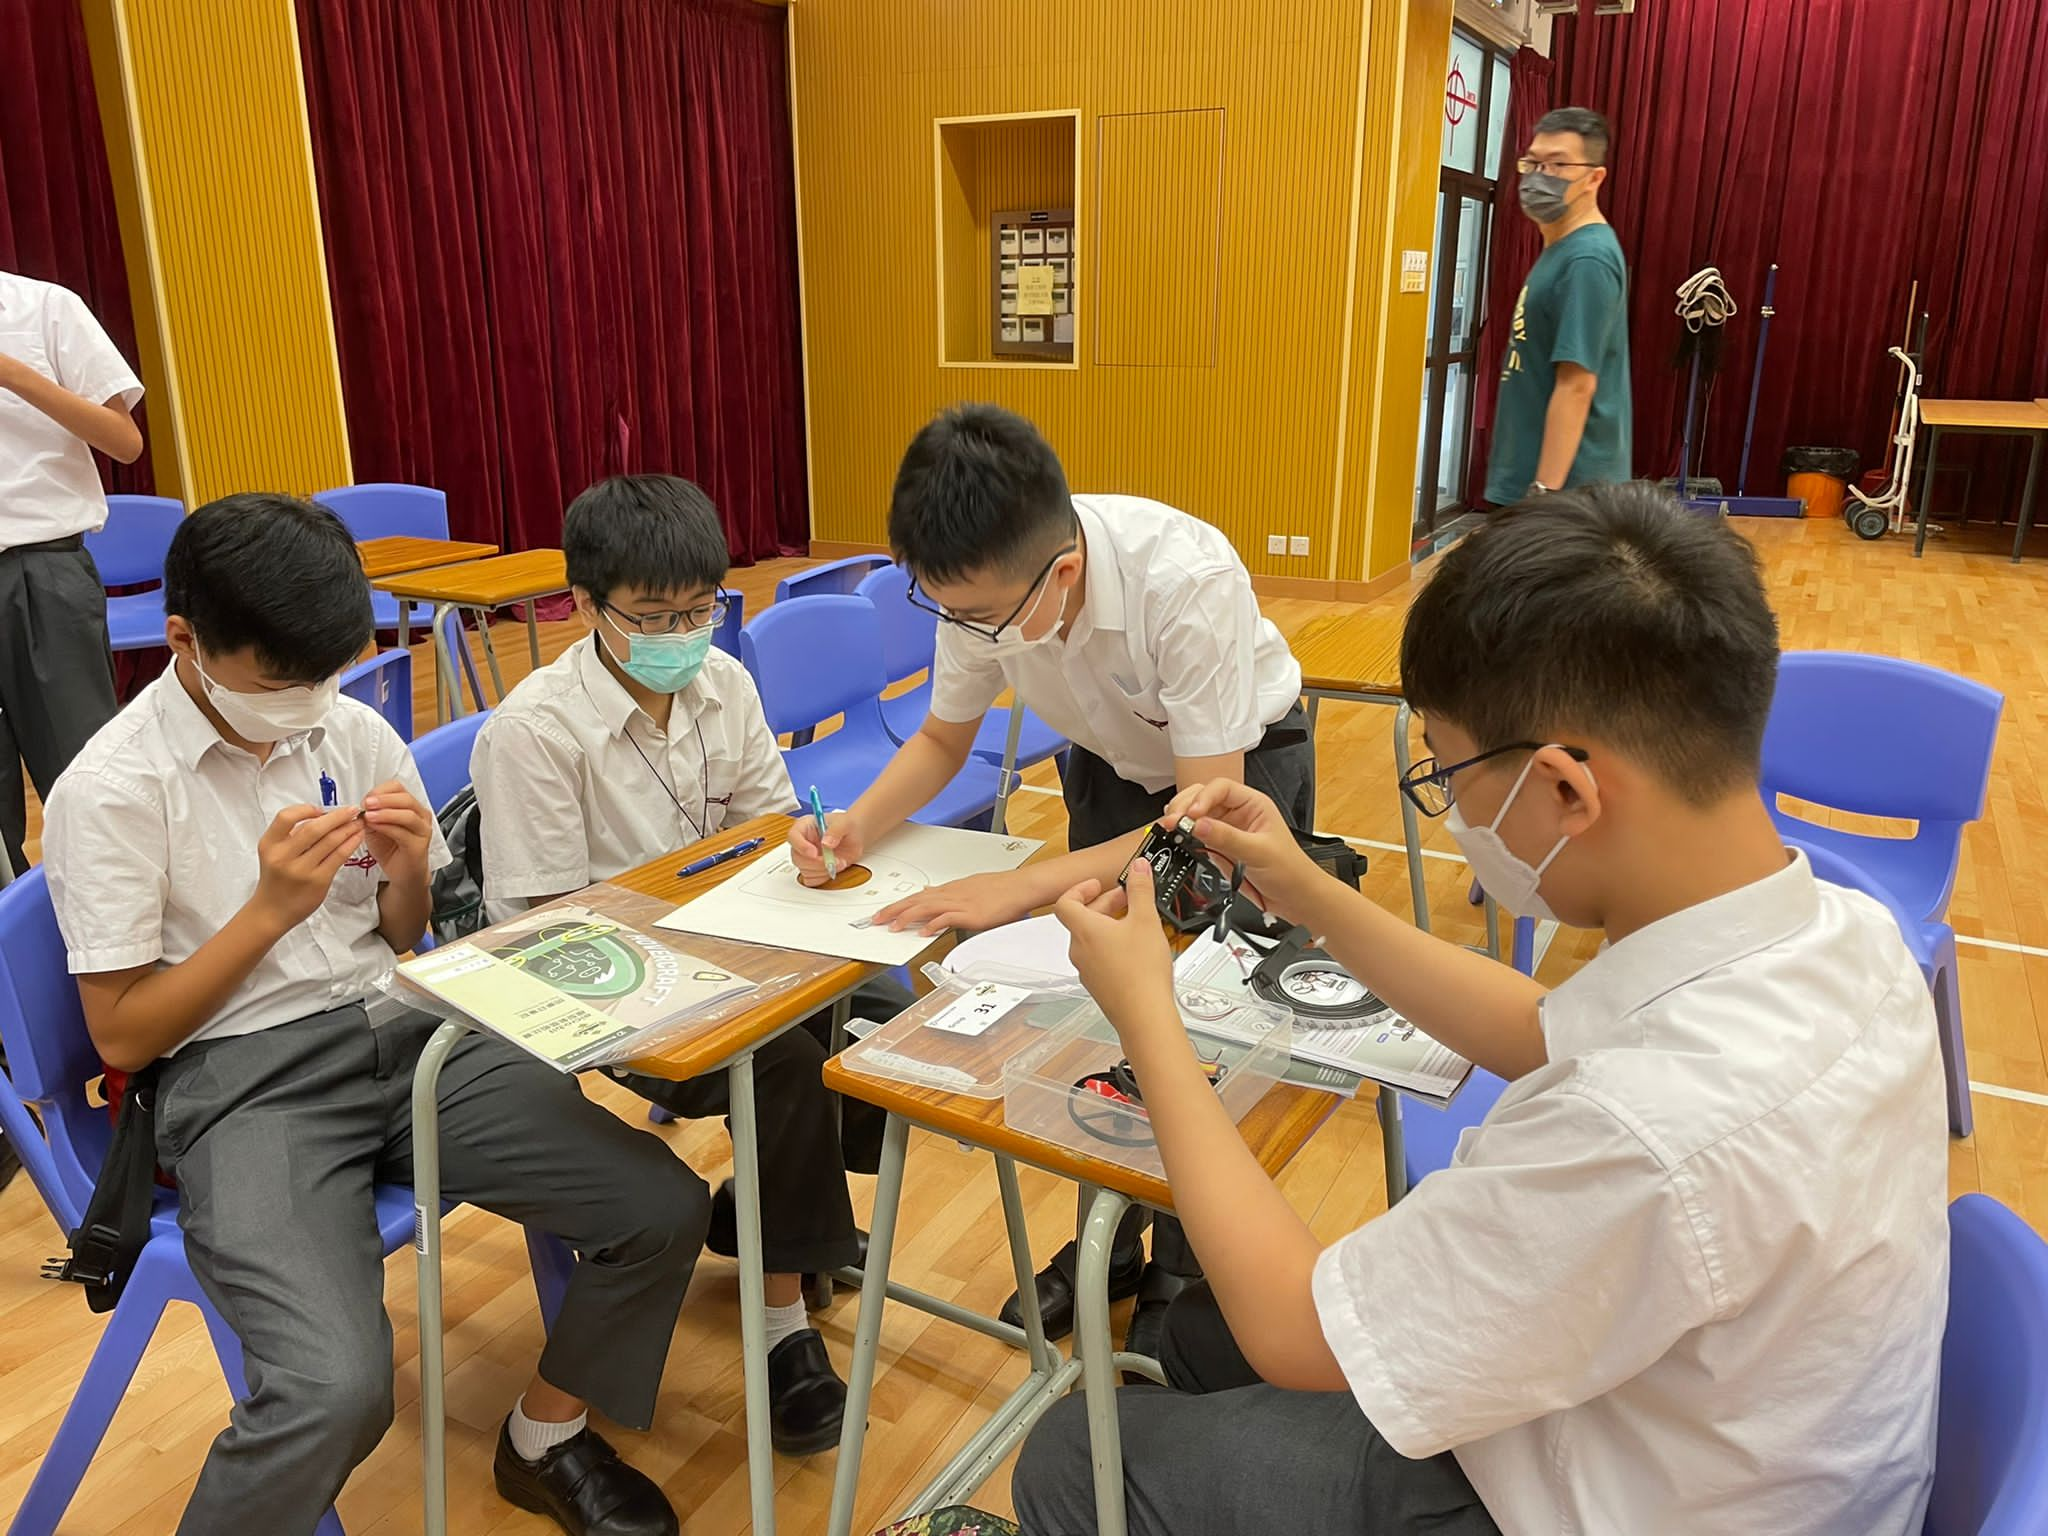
977,903
297,859
12,371
1118,944
1242,826
842,839
399,831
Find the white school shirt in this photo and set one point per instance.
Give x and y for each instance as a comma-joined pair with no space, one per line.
150,840
49,486
1692,1274
576,784
1169,656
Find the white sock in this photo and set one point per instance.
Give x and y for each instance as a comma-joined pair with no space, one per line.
785,1321
534,1438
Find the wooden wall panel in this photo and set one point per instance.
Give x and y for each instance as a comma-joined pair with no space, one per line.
1158,239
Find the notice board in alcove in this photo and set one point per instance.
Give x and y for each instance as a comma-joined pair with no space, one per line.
1159,238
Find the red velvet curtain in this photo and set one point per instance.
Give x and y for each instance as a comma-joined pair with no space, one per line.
1516,245
561,238
57,218
1859,144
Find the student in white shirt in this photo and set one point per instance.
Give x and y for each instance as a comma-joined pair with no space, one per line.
226,932
1128,627
64,391
638,740
1690,1273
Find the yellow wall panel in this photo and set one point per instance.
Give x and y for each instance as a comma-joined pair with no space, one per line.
1158,238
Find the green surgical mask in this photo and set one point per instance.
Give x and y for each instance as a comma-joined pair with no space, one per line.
663,663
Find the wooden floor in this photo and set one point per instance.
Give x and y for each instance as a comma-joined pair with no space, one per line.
1964,607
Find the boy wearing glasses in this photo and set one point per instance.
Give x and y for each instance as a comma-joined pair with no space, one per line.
1128,627
641,739
1690,1273
1564,416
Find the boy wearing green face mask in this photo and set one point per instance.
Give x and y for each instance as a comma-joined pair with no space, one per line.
638,741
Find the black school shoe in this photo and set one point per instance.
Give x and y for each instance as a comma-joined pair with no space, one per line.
584,1487
806,1398
1056,1290
723,1239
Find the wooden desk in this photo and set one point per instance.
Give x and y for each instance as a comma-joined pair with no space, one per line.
397,555
479,587
2018,418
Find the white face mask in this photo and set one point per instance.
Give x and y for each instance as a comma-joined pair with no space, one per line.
1011,636
1507,878
269,716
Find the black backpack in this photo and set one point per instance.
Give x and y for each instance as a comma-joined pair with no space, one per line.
459,885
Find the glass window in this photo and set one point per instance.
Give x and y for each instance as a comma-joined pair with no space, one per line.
1461,103
1467,279
1450,471
1497,121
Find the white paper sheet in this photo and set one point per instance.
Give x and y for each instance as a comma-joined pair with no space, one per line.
765,903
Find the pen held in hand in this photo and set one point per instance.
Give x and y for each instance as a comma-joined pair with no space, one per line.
818,813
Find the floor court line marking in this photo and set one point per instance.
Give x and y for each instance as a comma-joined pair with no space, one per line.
2012,949
2020,1095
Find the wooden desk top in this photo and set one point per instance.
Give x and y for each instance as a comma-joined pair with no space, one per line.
1352,652
1989,415
484,583
395,556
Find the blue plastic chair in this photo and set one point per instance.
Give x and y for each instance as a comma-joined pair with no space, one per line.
910,639
835,578
50,1063
817,657
1879,736
386,510
384,682
728,637
129,552
442,757
1991,1443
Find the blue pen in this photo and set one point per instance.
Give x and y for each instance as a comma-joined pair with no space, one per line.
713,860
329,796
818,810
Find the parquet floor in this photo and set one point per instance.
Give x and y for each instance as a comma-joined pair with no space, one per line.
1964,607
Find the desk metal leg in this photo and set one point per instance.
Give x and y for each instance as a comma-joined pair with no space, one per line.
1411,826
1042,1355
1098,1357
447,674
483,629
426,1194
1006,778
1492,909
533,633
1926,491
2019,539
746,1179
1393,1145
867,1330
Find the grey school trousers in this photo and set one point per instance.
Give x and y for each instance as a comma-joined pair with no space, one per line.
1221,1453
275,1140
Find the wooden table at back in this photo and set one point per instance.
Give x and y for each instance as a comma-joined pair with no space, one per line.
2014,418
479,586
401,553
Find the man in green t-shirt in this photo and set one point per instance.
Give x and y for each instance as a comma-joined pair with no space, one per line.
1564,417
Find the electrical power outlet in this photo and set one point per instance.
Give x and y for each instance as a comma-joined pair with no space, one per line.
1276,543
1298,545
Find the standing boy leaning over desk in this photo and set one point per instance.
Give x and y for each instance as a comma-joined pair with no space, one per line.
1690,1272
1131,628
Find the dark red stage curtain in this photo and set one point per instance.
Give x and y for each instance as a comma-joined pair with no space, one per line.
1857,143
561,236
57,218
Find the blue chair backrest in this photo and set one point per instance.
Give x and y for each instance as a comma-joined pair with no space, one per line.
910,635
130,550
813,658
442,756
835,578
389,509
728,637
384,682
50,1057
1991,1453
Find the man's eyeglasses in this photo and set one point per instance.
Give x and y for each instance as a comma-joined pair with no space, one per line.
668,620
1529,167
1428,784
991,632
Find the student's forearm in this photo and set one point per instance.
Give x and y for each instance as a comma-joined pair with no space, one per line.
1564,427
1258,1254
1049,879
109,428
1483,1010
919,770
163,1008
403,907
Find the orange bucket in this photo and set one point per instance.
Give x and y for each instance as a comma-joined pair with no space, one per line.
1823,494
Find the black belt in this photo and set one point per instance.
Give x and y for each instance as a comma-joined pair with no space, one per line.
66,546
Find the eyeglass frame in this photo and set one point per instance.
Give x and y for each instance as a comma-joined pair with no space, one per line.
1429,772
991,633
1526,166
679,618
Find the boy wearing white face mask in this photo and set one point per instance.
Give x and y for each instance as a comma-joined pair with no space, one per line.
1131,629
1690,1272
637,741
235,861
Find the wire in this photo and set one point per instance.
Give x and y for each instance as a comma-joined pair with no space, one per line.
1704,301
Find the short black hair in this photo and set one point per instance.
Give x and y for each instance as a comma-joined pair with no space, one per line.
1586,123
273,573
659,533
978,489
1608,611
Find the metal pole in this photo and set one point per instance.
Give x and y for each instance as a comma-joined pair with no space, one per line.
867,1328
426,1196
746,1179
1006,780
1756,383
